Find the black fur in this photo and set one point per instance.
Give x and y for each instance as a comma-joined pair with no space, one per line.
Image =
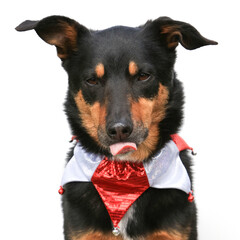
152,47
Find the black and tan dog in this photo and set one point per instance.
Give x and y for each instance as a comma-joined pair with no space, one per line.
124,104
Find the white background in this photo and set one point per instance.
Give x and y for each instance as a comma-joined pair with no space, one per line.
34,133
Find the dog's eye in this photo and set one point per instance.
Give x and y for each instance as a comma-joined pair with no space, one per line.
92,81
144,76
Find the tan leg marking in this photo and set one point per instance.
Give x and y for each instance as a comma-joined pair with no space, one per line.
167,236
96,236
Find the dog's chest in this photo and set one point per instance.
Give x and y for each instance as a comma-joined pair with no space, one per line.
128,217
123,184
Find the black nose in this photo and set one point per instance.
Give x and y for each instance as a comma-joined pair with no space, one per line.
119,131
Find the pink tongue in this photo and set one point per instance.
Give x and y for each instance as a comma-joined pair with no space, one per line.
121,148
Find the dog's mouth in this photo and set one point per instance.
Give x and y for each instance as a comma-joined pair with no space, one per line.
130,150
122,148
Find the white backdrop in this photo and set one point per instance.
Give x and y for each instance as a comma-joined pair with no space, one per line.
34,133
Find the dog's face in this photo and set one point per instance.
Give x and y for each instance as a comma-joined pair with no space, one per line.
118,89
121,81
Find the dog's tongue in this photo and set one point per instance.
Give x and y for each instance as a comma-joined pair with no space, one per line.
122,147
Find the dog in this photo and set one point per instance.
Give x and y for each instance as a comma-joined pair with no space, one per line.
128,175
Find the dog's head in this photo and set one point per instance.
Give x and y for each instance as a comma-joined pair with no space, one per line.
123,94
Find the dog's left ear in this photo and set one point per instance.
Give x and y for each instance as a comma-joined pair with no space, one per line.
172,32
60,31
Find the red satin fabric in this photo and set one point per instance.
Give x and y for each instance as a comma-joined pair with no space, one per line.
181,144
119,184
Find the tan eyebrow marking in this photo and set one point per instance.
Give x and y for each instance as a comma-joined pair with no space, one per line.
133,68
100,70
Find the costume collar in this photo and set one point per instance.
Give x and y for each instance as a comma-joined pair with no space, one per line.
120,183
165,170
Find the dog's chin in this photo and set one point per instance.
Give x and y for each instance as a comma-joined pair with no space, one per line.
123,157
122,150
138,155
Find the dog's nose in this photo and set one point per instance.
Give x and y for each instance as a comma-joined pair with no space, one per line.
119,131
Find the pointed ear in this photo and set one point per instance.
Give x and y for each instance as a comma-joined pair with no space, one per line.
174,32
60,31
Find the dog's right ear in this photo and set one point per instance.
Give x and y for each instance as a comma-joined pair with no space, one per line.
60,31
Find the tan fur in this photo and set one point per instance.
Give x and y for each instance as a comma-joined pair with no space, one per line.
172,31
161,235
100,70
95,236
164,236
170,235
92,116
149,112
64,41
132,68
146,112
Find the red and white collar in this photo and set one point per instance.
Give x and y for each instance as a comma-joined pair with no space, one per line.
120,183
